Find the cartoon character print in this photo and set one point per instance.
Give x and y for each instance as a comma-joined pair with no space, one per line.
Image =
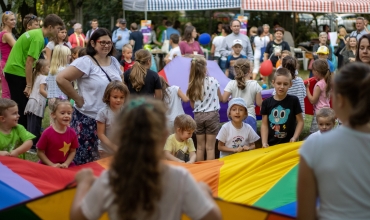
278,117
237,142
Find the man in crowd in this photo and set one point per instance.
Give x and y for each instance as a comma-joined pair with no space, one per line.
169,31
360,28
136,39
120,37
226,47
94,27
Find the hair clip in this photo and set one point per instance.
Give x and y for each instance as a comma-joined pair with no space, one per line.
137,103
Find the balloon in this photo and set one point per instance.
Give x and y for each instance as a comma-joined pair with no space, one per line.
204,38
264,86
266,68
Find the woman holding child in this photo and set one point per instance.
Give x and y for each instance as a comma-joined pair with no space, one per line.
93,73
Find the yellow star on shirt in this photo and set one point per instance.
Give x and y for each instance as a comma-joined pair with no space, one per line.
65,148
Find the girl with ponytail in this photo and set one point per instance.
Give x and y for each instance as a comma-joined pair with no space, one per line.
321,93
140,79
334,167
139,185
245,88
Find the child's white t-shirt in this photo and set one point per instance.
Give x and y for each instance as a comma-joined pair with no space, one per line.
175,51
180,192
210,100
106,116
340,160
53,88
248,94
234,138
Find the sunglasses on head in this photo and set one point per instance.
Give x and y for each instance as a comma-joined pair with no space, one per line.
31,18
103,42
8,12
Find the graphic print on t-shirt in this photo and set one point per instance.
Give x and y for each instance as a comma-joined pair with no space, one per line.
182,155
237,141
65,148
278,117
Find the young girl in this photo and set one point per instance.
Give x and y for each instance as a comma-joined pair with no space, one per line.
236,136
37,101
114,96
298,88
60,60
334,167
321,93
137,171
244,87
172,96
204,95
58,143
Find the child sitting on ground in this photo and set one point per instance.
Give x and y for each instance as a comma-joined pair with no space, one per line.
126,62
179,146
325,119
237,48
175,49
236,136
282,119
15,140
58,143
114,96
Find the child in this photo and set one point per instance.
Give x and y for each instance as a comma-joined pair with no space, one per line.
126,62
284,53
172,96
58,143
179,146
15,140
244,87
325,119
204,95
74,53
334,167
137,171
282,119
37,101
114,96
60,60
31,22
298,88
321,93
175,49
236,136
323,53
237,48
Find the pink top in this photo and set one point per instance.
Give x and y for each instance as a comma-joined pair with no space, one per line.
73,40
5,49
323,100
189,48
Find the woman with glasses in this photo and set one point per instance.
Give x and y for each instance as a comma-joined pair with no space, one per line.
60,39
93,73
77,39
6,44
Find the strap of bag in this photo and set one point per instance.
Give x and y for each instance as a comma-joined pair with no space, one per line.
101,68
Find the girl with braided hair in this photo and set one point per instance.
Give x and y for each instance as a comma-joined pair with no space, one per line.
244,87
140,79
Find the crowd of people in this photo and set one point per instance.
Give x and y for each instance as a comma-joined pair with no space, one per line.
105,100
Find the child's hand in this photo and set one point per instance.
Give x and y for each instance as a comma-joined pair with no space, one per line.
308,84
246,148
57,165
265,145
13,153
239,149
190,162
64,165
181,161
4,153
85,175
292,139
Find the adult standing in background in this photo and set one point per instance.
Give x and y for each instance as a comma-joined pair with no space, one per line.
6,44
93,73
177,26
94,27
169,31
136,39
217,42
226,48
71,24
27,49
323,39
161,28
266,32
260,41
360,28
341,41
77,39
363,49
349,53
153,36
189,45
121,37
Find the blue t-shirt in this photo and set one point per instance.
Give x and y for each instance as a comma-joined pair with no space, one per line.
331,66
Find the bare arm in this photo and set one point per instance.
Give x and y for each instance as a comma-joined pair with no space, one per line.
316,94
182,96
48,53
219,94
43,90
71,156
264,131
259,99
214,213
192,104
45,159
227,72
225,96
9,39
169,156
192,157
213,48
29,66
158,94
298,128
64,80
132,42
102,137
306,192
22,149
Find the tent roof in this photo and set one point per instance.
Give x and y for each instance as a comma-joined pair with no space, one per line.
314,6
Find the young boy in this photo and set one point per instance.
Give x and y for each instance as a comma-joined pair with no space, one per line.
175,51
284,53
179,146
325,118
126,62
15,140
237,48
236,136
323,53
30,22
282,119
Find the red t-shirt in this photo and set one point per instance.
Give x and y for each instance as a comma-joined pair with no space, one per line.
126,65
56,145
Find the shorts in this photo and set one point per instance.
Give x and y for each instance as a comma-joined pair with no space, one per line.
207,122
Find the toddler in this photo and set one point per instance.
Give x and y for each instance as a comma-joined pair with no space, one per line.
126,62
325,119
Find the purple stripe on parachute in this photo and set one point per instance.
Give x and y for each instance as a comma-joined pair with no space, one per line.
177,73
18,183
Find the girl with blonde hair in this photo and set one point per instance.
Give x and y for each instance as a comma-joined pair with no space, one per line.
140,79
204,95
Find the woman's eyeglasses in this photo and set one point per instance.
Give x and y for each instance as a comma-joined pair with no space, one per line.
103,42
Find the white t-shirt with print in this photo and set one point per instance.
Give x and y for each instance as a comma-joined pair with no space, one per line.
217,41
248,94
174,103
174,51
210,98
234,138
